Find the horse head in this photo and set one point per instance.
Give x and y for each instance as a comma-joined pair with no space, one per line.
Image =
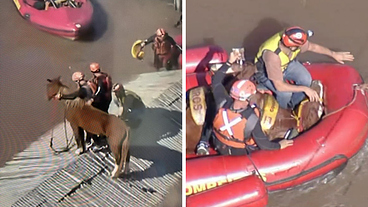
244,71
54,87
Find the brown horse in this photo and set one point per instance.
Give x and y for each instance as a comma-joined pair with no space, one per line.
83,116
275,120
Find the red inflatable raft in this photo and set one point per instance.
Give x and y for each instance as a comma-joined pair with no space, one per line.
326,147
64,21
199,58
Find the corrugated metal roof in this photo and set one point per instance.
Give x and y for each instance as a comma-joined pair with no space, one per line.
155,164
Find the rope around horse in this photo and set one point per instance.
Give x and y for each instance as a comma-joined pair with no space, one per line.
68,142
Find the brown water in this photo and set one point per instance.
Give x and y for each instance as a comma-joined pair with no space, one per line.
29,56
337,24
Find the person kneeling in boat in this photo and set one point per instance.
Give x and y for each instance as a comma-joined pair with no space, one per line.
45,4
130,105
276,61
236,126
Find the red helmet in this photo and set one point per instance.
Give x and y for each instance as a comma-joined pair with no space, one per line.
78,76
94,67
160,32
242,90
294,37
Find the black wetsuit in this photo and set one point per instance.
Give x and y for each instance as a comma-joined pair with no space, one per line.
102,97
84,92
167,38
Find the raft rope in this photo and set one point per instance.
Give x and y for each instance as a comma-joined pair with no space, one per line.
256,169
363,88
68,142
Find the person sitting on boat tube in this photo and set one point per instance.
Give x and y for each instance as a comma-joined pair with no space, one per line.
276,61
45,4
236,126
166,53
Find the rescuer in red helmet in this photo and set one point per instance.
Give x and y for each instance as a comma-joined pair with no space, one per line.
236,126
166,51
276,61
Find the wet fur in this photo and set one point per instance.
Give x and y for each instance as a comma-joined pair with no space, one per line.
85,117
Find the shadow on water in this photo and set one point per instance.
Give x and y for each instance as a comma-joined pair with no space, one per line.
99,23
265,29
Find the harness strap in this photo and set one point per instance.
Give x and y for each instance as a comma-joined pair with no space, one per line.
228,138
277,51
251,123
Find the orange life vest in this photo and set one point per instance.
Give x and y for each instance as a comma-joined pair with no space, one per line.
161,47
229,126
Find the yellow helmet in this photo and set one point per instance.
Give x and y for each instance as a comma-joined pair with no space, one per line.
137,50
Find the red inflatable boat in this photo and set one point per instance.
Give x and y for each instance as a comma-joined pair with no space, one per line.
64,21
199,58
228,180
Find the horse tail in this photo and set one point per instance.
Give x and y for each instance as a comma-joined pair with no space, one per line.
124,149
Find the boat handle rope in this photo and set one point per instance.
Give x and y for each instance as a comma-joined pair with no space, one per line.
256,169
69,142
363,88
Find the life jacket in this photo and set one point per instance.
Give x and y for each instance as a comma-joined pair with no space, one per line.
161,47
272,44
234,129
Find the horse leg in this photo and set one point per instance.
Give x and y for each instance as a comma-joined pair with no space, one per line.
311,112
79,138
281,127
120,152
125,161
284,121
